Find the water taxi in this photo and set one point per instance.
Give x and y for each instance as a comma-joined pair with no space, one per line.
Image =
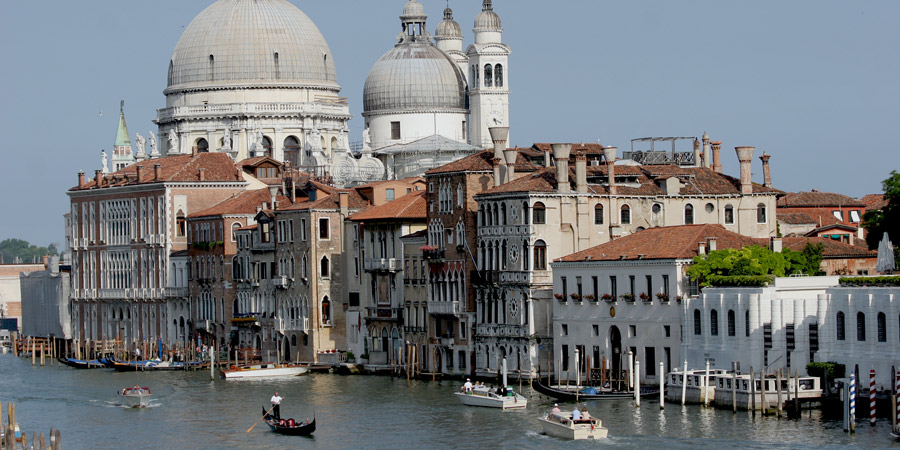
700,385
136,397
804,389
561,425
265,370
482,396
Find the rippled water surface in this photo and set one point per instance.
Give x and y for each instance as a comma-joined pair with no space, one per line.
190,411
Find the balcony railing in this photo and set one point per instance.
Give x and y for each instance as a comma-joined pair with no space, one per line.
501,330
382,264
384,313
437,254
443,308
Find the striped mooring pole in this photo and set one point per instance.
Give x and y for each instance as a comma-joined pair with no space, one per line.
852,402
872,397
897,393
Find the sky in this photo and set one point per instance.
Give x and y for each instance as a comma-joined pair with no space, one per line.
814,83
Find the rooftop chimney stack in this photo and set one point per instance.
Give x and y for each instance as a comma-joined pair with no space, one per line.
561,154
273,194
496,163
499,135
80,178
707,156
201,174
775,244
698,158
510,164
701,248
140,174
610,154
98,177
765,162
581,173
547,159
745,156
711,243
344,202
157,172
717,155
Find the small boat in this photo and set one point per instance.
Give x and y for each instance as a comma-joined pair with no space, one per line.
561,425
573,394
136,397
265,370
805,389
82,364
290,426
699,385
482,396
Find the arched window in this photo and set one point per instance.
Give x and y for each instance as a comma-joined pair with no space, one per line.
234,228
540,255
326,311
212,68
598,214
731,325
481,216
698,327
860,327
498,75
180,223
267,146
202,146
689,214
761,213
729,215
840,326
714,323
334,143
626,215
747,323
540,213
503,214
325,267
292,151
882,327
488,75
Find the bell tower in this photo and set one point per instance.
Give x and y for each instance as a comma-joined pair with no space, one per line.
488,77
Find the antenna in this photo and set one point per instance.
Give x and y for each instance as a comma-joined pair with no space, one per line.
122,106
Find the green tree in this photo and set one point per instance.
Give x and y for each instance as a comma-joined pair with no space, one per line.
12,250
887,219
807,261
754,262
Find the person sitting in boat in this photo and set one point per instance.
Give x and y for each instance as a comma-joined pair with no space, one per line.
276,405
585,415
576,414
555,409
467,388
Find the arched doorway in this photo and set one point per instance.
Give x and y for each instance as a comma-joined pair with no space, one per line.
286,356
258,343
615,345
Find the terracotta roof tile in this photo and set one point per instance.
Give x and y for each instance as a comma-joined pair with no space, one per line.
874,201
180,168
817,199
410,206
245,202
795,218
833,249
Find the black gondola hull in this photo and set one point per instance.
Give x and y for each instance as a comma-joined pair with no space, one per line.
300,429
570,396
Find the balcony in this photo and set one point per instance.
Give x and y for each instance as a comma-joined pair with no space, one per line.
203,325
447,308
246,320
114,294
501,330
281,282
384,314
434,254
382,265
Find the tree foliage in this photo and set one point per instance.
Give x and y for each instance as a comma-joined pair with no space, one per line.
17,250
756,263
886,219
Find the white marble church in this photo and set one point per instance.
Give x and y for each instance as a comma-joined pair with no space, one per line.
239,88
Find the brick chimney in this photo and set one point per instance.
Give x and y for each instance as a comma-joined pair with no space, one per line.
561,154
80,178
581,173
98,177
140,174
344,202
711,243
157,175
745,156
707,154
201,173
717,155
775,244
610,154
765,162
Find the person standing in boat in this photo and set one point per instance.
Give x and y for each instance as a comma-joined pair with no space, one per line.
276,405
468,386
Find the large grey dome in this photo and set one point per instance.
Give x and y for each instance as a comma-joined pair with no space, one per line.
264,42
414,76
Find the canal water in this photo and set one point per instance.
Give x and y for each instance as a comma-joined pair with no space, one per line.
189,410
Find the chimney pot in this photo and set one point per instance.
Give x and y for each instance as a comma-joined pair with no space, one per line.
140,174
157,169
98,177
745,156
610,154
561,154
80,178
766,171
201,174
497,180
707,154
717,155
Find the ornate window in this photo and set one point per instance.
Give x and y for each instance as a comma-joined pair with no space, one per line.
540,214
540,255
626,215
598,214
689,214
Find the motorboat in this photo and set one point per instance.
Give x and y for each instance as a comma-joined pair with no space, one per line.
482,396
700,385
136,397
803,389
265,370
290,427
561,425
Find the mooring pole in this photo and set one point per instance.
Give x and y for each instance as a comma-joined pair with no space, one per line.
852,402
662,386
684,383
872,397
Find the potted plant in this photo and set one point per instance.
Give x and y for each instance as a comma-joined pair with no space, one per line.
661,296
575,296
590,297
678,299
628,297
559,297
644,296
608,298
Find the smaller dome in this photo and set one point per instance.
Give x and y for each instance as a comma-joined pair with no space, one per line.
413,10
448,28
488,20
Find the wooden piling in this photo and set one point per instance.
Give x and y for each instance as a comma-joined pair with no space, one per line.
24,440
662,386
33,354
734,388
778,378
42,354
752,403
762,392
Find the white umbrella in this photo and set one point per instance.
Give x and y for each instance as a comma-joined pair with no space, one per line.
885,255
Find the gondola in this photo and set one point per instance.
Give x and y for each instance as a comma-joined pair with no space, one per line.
588,393
289,426
82,364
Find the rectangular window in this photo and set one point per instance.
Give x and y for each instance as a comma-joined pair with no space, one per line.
667,330
389,195
595,285
565,358
632,330
839,215
565,288
613,289
854,216
564,330
465,131
324,231
353,300
595,329
666,286
395,131
631,284
650,361
578,286
650,286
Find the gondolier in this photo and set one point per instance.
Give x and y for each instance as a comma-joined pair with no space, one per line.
276,405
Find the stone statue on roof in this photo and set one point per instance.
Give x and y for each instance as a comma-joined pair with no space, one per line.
104,161
226,139
141,143
153,150
173,141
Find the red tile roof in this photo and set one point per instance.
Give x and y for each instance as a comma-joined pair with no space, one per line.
218,167
678,242
410,206
874,201
817,199
833,249
245,202
795,218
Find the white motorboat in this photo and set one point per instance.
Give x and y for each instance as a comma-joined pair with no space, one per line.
482,396
806,389
136,397
561,425
698,385
265,370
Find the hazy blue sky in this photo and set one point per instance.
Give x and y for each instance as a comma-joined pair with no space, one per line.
815,83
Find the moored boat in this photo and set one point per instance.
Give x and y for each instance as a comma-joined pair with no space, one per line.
805,389
265,370
482,396
290,426
578,393
82,364
561,425
699,385
136,397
